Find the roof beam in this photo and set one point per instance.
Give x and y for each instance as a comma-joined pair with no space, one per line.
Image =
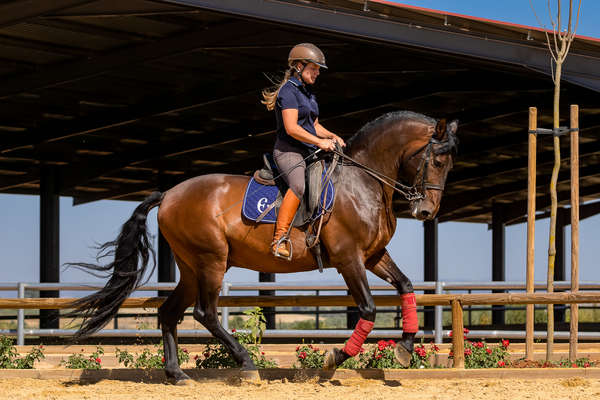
578,69
17,11
152,51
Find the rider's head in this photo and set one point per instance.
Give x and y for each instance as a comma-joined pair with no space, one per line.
305,59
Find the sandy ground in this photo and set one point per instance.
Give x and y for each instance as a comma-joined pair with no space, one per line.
571,388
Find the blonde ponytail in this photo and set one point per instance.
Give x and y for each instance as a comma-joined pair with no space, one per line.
270,94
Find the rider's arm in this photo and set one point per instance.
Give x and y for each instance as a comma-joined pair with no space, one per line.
324,133
290,122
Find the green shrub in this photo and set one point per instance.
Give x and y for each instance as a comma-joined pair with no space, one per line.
148,359
9,356
80,361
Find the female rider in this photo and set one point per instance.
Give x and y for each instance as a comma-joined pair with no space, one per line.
298,132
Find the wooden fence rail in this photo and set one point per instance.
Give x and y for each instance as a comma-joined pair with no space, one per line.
456,301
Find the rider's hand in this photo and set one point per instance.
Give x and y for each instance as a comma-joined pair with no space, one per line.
326,144
339,140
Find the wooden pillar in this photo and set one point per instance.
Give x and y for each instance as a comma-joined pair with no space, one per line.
574,328
458,342
49,241
559,261
269,312
531,193
430,264
498,259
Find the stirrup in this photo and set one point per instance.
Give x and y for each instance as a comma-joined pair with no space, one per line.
282,240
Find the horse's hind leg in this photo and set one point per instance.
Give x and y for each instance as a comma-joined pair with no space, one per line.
205,312
354,275
170,313
384,267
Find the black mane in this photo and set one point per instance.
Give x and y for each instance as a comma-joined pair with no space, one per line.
449,146
385,118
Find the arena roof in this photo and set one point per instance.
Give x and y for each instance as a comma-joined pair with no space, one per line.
122,98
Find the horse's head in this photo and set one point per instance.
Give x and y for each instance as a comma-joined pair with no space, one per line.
429,166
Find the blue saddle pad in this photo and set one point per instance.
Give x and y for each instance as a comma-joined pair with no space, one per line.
258,197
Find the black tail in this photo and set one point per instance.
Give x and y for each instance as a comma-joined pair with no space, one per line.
132,245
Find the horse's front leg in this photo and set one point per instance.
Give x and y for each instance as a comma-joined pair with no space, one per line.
354,275
384,267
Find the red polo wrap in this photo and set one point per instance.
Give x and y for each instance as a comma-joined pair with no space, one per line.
361,331
410,322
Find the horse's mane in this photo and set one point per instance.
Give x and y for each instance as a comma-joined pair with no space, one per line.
385,118
396,116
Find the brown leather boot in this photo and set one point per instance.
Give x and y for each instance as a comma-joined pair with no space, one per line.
287,211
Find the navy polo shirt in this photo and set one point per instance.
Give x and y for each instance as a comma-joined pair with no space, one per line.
293,94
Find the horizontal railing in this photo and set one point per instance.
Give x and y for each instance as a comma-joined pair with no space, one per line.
227,301
456,301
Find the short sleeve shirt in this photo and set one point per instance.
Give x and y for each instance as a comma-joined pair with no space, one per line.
293,94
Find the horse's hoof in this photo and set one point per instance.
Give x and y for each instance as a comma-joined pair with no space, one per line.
250,375
330,363
184,382
403,356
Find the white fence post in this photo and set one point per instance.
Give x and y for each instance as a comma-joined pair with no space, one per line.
21,316
439,315
225,310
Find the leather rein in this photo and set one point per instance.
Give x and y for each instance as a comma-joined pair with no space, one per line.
417,191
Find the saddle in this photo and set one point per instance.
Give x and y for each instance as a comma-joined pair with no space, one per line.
318,195
266,188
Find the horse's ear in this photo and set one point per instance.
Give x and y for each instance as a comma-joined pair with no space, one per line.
440,129
452,127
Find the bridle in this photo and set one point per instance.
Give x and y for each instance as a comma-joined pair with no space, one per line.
418,189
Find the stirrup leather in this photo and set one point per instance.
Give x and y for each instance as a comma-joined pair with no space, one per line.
282,241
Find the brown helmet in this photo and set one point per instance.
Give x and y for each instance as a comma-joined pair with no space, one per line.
307,52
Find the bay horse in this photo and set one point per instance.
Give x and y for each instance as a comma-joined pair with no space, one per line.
201,219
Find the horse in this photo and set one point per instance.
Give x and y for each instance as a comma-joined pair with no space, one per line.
201,219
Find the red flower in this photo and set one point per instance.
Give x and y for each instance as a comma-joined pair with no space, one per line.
574,365
391,343
163,360
468,352
233,330
478,345
488,350
505,343
451,354
196,357
501,364
207,354
466,331
98,360
450,334
310,346
302,355
297,348
421,352
586,365
382,344
41,346
435,348
262,353
378,356
185,350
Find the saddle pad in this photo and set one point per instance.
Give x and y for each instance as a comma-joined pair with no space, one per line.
258,197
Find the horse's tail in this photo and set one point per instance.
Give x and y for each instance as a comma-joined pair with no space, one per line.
132,244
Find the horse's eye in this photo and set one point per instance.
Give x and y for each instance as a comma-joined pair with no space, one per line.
437,163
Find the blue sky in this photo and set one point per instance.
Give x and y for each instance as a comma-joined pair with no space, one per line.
464,252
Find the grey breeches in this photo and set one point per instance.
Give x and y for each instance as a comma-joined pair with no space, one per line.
290,161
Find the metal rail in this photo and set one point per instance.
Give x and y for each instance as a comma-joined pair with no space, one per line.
438,334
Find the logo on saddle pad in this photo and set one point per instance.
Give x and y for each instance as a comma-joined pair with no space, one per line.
262,204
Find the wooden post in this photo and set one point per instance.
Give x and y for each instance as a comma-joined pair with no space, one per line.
574,229
531,184
49,241
430,265
498,260
458,342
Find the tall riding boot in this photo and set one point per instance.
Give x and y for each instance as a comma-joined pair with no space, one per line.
287,211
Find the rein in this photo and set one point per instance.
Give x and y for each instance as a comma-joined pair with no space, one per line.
410,193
